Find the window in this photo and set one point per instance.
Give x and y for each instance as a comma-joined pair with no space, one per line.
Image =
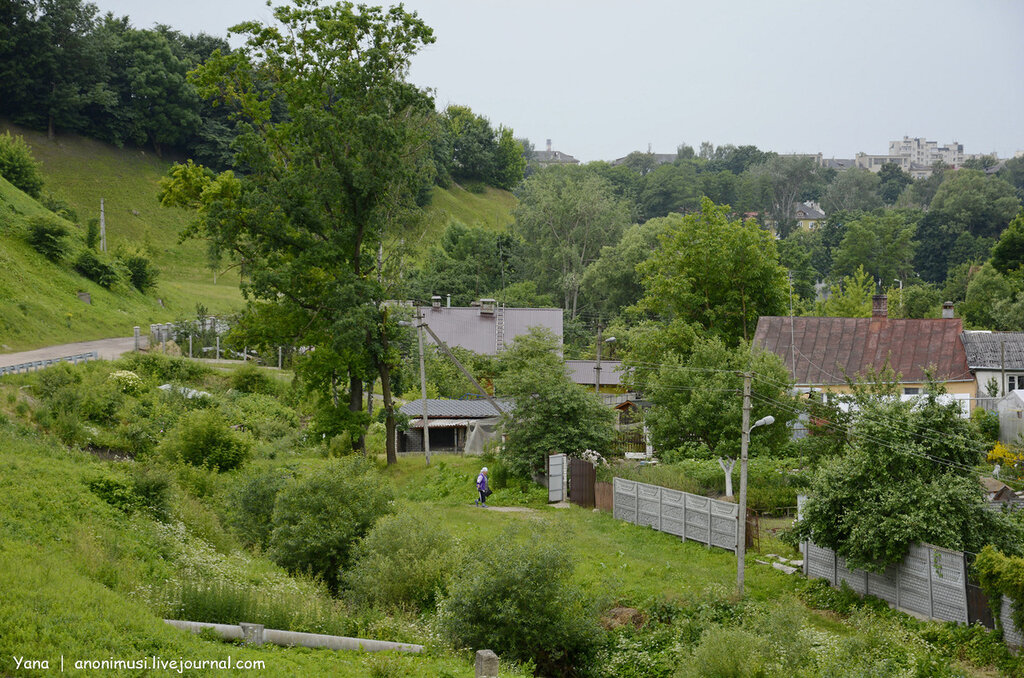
1011,382
911,391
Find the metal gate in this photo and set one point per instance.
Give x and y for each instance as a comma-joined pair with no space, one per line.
582,476
556,472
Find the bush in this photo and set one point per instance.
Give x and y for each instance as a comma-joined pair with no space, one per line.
18,166
265,416
400,563
92,233
96,269
515,596
142,274
46,235
202,438
147,490
986,425
251,505
248,378
163,368
319,518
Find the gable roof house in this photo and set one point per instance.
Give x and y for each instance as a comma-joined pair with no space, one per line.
996,358
808,215
488,328
820,353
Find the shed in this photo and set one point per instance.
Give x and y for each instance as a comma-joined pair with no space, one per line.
455,425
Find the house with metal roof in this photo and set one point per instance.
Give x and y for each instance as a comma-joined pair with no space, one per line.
996,360
454,425
488,328
586,373
808,215
824,353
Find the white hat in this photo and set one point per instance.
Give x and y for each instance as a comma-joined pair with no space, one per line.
483,470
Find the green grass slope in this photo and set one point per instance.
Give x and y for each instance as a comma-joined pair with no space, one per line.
39,304
79,172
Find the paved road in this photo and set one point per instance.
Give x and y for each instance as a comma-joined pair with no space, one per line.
108,349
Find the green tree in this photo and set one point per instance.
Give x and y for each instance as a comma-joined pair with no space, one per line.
797,261
18,166
848,298
907,478
509,160
968,200
1013,173
881,244
468,263
697,409
611,282
718,274
319,518
552,415
326,183
1008,253
985,290
669,188
473,144
791,179
853,189
892,181
564,217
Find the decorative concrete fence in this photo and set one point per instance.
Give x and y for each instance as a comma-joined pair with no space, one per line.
36,365
689,516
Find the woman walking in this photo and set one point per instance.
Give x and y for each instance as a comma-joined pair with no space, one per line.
481,487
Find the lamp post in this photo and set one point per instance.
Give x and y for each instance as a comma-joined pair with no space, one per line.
741,532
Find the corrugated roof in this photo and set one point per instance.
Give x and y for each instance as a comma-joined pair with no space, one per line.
830,349
455,409
986,349
478,332
583,372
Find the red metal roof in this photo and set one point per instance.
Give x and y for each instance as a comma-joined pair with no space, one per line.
828,350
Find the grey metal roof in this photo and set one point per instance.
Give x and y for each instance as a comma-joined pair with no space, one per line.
582,372
455,409
808,212
984,349
478,332
554,157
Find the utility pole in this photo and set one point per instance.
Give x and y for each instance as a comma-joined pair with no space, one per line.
597,367
741,527
423,384
462,368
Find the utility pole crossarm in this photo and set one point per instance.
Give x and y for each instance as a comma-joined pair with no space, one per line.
444,347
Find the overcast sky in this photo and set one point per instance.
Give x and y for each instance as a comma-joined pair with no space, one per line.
601,79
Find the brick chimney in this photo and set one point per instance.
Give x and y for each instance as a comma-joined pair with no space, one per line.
947,309
879,306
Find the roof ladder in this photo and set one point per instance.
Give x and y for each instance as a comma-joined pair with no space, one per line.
499,329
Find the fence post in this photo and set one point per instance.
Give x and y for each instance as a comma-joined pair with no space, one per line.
136,338
245,354
931,594
190,346
486,664
278,357
686,495
218,347
709,522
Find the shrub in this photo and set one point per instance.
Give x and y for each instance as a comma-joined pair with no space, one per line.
59,207
18,166
986,425
47,236
265,416
163,368
248,378
92,233
146,490
142,274
202,438
400,563
319,518
96,269
515,597
127,381
251,505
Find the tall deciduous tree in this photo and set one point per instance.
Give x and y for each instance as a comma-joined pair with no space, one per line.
883,244
968,200
854,189
325,187
716,273
565,216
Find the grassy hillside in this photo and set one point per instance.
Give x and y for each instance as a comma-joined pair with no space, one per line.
79,172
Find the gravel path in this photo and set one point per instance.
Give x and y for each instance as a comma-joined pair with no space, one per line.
108,349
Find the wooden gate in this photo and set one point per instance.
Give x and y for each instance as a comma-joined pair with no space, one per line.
978,609
582,476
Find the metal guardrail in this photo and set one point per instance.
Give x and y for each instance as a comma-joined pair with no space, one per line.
36,365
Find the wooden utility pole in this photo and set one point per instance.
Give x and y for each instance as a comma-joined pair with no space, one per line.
741,527
597,367
423,384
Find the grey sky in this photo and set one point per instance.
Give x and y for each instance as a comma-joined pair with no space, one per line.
602,78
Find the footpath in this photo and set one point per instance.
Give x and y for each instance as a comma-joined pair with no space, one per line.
107,349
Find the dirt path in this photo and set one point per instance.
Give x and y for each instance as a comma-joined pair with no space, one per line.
108,349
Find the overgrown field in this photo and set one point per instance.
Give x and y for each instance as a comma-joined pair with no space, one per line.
122,504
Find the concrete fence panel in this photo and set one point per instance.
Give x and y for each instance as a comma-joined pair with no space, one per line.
687,516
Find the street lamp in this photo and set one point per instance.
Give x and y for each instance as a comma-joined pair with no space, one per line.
741,531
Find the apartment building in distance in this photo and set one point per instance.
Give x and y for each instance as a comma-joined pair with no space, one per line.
915,156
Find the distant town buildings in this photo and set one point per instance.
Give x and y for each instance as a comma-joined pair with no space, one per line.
549,157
